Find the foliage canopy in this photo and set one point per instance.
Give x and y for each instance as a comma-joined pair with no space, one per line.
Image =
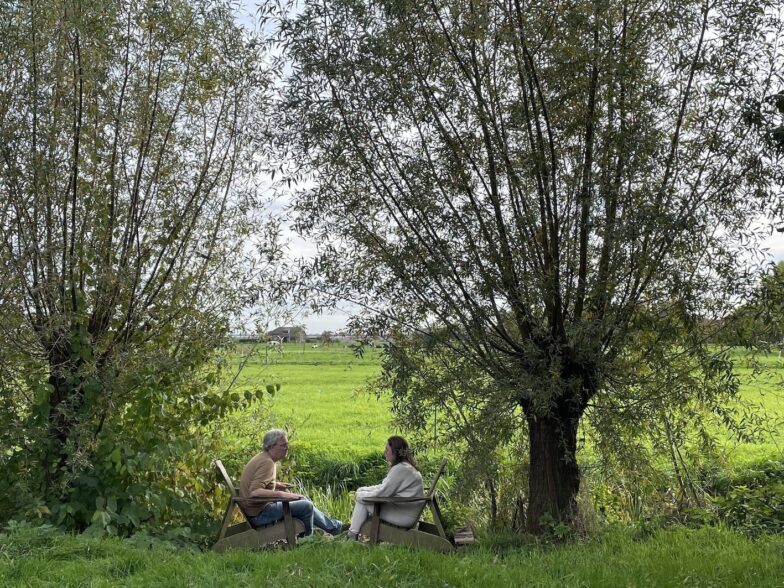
127,213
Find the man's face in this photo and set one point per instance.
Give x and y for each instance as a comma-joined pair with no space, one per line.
280,449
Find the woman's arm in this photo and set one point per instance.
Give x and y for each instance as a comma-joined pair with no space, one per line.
388,487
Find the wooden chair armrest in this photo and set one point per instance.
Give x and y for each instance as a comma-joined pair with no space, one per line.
392,499
259,499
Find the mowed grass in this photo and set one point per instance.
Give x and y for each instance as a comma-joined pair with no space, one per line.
679,557
321,399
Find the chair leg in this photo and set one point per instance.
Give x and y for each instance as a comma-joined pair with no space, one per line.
437,517
226,519
288,522
375,526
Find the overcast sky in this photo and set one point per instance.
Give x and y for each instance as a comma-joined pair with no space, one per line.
336,320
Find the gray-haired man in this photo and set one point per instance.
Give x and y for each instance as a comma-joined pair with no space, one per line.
259,479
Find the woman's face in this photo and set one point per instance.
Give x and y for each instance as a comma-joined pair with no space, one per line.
389,454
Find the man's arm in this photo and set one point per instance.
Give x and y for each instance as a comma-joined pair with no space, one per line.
274,494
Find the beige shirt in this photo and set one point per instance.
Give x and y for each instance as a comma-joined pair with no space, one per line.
258,473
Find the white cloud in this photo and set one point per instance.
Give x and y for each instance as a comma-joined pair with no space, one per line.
775,246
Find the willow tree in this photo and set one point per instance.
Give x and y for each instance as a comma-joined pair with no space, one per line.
126,220
548,190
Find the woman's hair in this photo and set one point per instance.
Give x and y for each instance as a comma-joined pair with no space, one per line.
401,451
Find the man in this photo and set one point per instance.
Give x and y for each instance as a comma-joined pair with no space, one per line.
259,479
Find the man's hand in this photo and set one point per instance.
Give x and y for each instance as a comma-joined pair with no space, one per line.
283,486
290,495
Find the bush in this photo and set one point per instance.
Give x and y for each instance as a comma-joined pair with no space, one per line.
318,467
753,500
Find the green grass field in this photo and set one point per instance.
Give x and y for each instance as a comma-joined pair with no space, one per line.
321,398
338,430
765,389
678,557
333,422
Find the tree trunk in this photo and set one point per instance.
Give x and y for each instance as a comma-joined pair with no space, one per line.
554,477
66,399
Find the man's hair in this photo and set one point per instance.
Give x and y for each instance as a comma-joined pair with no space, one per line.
271,437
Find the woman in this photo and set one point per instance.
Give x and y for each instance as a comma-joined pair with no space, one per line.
403,479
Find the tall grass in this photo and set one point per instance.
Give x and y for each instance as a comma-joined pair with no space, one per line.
334,500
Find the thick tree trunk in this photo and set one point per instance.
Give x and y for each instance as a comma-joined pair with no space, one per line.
59,428
554,477
65,401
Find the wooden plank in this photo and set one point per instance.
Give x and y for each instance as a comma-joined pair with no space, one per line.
464,536
393,499
257,538
226,520
239,528
410,537
226,477
437,520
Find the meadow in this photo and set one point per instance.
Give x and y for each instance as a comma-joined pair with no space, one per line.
761,383
321,399
338,431
323,402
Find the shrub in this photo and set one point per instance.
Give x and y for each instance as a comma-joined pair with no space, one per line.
753,500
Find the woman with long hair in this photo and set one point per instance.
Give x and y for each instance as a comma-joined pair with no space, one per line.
403,479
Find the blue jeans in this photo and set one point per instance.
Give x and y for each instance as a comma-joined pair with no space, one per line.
302,510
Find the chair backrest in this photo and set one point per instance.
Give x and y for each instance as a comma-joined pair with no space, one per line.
234,491
431,491
435,480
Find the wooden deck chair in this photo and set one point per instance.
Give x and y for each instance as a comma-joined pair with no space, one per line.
244,535
422,534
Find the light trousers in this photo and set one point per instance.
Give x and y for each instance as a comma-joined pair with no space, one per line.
402,515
